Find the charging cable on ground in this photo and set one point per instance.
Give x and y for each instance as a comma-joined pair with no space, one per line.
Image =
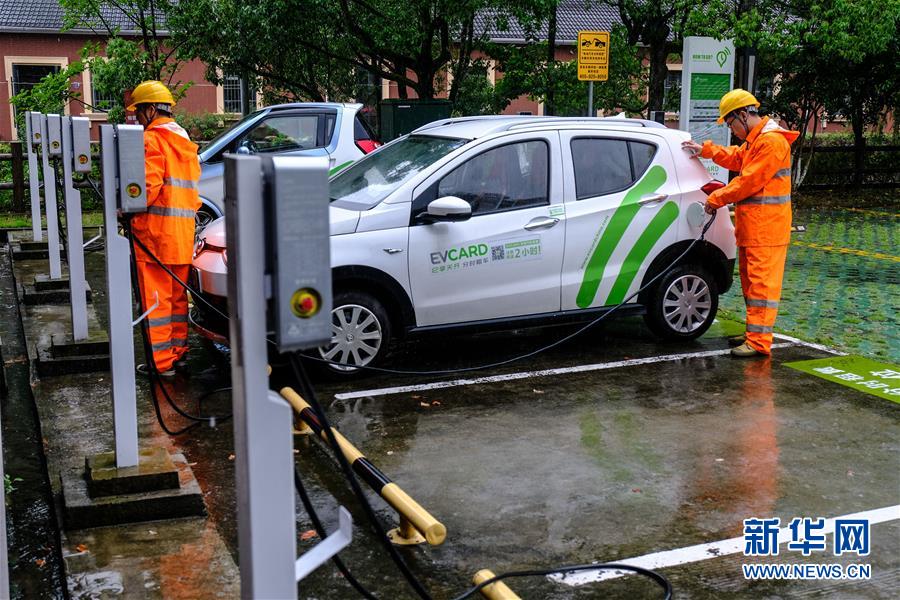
309,392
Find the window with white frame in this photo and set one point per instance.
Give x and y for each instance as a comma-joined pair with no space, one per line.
231,94
102,102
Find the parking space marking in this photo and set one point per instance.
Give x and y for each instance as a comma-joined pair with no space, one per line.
530,374
701,552
854,251
813,345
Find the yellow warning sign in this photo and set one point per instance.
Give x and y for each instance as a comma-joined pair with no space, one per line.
593,55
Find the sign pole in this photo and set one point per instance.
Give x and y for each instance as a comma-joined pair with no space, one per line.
590,111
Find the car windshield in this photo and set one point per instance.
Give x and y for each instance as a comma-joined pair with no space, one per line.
214,145
368,182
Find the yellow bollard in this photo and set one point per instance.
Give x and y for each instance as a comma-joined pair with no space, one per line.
497,590
417,525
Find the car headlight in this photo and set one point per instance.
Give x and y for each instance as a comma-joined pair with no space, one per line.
199,245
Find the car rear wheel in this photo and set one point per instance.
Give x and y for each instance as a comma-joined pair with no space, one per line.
360,334
683,304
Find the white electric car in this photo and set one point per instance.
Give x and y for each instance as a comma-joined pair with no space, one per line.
504,222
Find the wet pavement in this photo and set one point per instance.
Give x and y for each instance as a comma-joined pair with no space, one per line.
638,452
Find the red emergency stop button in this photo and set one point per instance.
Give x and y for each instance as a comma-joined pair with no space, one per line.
133,190
306,303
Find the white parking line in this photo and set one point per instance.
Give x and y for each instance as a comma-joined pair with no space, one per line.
800,342
529,374
700,552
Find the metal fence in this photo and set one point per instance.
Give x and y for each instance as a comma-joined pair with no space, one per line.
19,183
833,167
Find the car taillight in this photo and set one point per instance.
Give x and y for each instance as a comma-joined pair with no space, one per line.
712,186
367,145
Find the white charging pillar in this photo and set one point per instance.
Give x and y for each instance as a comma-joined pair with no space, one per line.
32,141
118,280
74,231
48,123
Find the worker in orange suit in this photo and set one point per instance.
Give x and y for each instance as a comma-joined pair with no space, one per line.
167,228
762,197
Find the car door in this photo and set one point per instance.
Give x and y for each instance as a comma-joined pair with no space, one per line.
300,132
505,260
620,205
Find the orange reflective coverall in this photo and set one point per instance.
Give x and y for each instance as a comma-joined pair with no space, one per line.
167,230
762,193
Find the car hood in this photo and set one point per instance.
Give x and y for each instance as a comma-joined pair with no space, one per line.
342,221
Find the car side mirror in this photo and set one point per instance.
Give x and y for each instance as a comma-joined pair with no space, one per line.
445,210
246,147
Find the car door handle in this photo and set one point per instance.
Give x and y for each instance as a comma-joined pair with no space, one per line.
541,223
651,198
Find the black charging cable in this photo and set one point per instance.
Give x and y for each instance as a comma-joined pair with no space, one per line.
309,394
155,377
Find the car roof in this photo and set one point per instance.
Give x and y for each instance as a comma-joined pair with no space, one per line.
291,105
476,127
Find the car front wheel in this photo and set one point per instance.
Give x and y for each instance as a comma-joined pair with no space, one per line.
683,304
360,334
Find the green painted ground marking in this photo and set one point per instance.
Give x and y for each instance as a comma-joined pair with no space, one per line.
657,227
612,235
856,372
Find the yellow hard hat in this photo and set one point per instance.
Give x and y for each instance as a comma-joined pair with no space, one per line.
733,100
150,92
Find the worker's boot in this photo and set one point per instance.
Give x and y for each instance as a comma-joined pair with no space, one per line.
737,340
746,351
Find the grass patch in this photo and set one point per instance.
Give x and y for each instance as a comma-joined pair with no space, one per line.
12,220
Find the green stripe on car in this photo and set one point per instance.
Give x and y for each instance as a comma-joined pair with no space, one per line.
339,168
612,235
657,227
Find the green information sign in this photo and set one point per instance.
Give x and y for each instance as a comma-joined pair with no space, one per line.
709,86
857,372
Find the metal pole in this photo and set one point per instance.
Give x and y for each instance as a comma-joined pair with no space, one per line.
31,119
75,236
262,420
118,280
590,112
50,201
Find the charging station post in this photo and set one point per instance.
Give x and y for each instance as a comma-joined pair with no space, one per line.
33,139
130,483
50,126
277,207
115,140
76,156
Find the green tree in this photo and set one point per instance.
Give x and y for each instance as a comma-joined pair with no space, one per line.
147,52
320,55
525,72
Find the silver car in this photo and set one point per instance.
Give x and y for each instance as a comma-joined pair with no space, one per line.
301,128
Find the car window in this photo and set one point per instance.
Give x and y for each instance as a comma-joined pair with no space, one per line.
509,177
604,166
641,157
280,134
367,182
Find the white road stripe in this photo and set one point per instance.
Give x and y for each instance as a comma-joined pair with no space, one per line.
529,374
700,552
800,342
